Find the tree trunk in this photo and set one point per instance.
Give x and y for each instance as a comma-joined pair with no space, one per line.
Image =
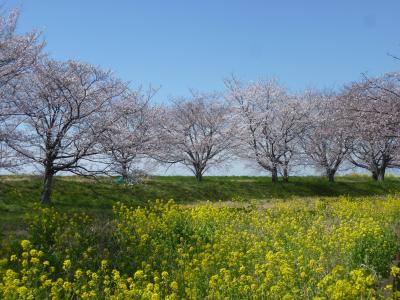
330,175
381,174
274,175
124,172
47,188
199,176
285,174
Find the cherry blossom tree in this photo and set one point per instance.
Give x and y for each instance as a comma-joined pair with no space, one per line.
132,134
197,133
270,121
18,54
373,106
62,107
326,140
375,154
290,117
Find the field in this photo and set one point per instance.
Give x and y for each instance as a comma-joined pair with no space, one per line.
306,239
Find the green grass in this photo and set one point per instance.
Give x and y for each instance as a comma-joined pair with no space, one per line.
18,194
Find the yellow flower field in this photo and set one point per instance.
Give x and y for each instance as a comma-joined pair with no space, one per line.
325,249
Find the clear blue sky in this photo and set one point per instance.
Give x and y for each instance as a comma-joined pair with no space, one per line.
183,44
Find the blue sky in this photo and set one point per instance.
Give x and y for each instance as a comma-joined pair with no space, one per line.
195,44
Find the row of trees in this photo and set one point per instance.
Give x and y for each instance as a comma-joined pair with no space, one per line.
357,126
75,117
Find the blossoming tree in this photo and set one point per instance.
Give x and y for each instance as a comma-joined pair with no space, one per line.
197,133
270,121
18,55
132,133
373,106
326,140
62,107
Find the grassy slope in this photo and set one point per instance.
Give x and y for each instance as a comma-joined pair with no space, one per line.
19,193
